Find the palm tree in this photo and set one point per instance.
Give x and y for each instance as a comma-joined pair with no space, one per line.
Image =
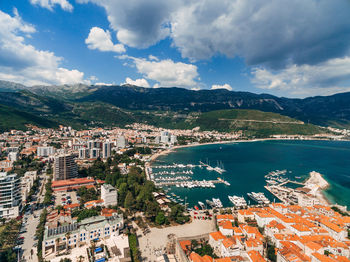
67,240
57,244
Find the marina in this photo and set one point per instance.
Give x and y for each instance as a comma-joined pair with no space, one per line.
249,168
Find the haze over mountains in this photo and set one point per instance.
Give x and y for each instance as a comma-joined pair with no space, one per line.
81,104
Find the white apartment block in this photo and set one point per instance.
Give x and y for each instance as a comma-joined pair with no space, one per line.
77,234
10,195
45,151
109,195
27,182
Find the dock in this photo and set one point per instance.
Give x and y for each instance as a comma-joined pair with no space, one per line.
174,183
291,181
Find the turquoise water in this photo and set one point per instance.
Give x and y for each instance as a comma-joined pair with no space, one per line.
247,163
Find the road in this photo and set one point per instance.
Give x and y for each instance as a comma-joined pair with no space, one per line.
28,249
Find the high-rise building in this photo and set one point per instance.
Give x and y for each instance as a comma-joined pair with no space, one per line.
173,139
121,142
45,151
109,195
95,153
10,195
164,137
65,167
94,144
106,149
84,153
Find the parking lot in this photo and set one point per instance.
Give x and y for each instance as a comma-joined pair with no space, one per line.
64,198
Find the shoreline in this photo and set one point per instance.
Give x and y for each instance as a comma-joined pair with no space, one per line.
319,193
170,150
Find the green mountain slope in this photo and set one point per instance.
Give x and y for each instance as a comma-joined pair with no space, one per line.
254,123
11,118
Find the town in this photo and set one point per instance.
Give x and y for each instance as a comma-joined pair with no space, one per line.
69,195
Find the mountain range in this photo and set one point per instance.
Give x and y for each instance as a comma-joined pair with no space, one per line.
81,105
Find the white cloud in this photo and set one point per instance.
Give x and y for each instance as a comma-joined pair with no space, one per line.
276,32
152,57
138,23
103,84
137,82
49,4
21,62
101,40
225,86
167,72
322,79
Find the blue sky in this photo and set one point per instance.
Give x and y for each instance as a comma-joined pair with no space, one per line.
289,48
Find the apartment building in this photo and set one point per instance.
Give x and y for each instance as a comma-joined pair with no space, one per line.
10,195
65,167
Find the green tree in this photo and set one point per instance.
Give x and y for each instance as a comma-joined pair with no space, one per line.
129,200
160,218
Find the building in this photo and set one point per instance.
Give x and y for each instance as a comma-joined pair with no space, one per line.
27,182
95,153
84,153
109,195
65,167
45,151
13,156
106,150
167,138
94,144
77,234
121,142
72,184
10,195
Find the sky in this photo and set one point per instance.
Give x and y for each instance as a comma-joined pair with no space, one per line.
291,48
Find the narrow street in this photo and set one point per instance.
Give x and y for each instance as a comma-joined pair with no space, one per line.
29,247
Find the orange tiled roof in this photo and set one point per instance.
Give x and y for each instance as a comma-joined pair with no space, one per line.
217,235
72,182
228,242
256,256
71,206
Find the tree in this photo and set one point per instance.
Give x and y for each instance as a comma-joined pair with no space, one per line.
160,218
129,200
57,245
67,240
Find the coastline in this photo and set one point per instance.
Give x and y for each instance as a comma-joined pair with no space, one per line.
169,150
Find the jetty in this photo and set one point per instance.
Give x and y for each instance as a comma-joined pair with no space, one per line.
196,183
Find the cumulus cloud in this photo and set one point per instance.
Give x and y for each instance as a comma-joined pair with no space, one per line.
137,82
138,23
21,62
49,4
276,32
324,78
225,86
101,40
166,72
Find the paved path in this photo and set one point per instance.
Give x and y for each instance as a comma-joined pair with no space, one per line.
152,244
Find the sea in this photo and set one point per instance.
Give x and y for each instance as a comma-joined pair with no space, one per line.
247,163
